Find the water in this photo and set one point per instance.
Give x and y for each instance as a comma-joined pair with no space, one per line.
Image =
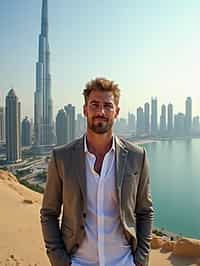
175,185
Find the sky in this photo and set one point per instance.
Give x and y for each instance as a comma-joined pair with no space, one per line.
149,47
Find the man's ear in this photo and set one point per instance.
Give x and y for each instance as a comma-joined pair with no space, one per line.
85,110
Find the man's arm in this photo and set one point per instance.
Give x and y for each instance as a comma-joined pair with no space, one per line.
144,215
50,212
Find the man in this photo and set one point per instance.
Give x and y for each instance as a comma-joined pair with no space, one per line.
102,184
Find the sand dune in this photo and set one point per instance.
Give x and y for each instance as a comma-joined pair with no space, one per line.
21,242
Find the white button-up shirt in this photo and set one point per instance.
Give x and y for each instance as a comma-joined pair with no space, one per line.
105,243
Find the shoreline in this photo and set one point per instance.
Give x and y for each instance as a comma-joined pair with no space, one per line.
141,142
150,139
162,232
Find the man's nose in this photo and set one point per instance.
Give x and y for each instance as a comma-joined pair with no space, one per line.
101,109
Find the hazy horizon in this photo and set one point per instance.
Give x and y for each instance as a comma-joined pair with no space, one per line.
148,48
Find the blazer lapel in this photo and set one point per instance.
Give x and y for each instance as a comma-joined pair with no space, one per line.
120,164
79,165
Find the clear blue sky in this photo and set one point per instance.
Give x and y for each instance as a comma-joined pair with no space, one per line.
149,47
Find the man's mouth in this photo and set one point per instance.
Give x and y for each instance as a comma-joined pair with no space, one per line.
100,118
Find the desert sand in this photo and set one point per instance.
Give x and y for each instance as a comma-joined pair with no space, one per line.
21,242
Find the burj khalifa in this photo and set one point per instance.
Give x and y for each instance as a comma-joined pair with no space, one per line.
43,107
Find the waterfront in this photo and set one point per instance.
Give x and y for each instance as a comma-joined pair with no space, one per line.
175,184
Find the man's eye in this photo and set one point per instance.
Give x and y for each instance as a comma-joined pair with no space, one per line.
108,106
94,105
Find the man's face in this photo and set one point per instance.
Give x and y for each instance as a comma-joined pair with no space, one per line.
100,111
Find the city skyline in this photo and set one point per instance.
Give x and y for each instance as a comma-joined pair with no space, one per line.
157,46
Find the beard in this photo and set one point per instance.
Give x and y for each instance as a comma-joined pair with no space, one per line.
100,127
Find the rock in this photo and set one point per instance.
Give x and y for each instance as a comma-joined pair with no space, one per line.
28,201
187,247
168,246
157,242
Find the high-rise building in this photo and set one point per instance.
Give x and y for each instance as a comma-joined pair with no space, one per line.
179,124
13,136
120,126
140,126
43,107
80,125
147,118
188,115
196,125
154,116
70,113
26,132
61,127
65,125
170,119
163,125
2,125
131,122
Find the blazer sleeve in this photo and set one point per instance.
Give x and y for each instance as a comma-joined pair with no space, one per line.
144,215
50,212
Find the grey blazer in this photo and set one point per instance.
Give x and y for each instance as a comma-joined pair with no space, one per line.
65,196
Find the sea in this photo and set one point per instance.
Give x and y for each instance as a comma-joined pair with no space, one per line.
175,185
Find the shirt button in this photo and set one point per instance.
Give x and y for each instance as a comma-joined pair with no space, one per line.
84,215
82,227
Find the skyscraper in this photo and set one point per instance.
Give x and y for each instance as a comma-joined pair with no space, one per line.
154,117
179,120
163,125
188,115
131,122
61,127
146,118
65,125
26,132
43,108
140,121
70,113
170,119
196,125
80,125
13,143
2,125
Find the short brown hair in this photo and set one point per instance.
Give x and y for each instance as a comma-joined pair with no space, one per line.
102,84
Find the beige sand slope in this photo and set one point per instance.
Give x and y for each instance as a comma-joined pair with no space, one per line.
21,241
20,235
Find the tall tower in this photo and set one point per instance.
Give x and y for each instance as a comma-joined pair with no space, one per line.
2,123
146,118
13,143
61,127
179,123
154,117
163,122
43,107
131,122
170,119
2,128
70,113
188,115
26,132
80,125
140,127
